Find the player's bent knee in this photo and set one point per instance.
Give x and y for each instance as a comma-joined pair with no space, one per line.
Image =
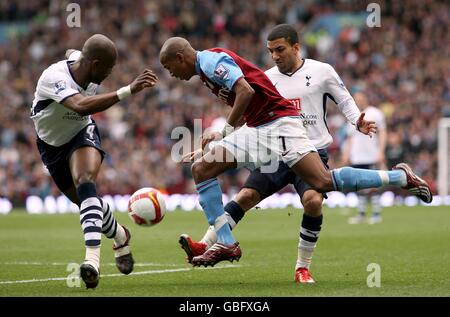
84,178
248,198
200,172
313,204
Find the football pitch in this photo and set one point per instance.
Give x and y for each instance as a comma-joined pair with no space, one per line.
410,249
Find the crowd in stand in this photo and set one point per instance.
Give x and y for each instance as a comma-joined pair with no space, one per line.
403,66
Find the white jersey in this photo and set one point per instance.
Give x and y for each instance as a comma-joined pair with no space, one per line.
308,88
54,123
364,150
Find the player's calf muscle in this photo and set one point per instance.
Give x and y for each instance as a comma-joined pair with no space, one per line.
320,182
322,185
202,171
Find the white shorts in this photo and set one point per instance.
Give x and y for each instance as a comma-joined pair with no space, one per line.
283,139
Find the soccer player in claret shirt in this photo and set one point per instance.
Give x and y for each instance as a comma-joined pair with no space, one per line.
307,83
69,142
273,131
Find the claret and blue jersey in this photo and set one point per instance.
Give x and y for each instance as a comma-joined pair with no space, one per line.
220,69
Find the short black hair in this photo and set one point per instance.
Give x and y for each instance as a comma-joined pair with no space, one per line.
285,31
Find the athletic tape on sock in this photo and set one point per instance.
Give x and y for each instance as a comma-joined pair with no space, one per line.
220,221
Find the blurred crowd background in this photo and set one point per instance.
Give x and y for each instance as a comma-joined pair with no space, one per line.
403,66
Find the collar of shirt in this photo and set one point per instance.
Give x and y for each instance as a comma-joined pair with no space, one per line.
197,63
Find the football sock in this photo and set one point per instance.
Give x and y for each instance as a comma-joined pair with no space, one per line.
210,237
210,198
376,207
349,179
234,213
110,227
362,203
93,256
91,217
309,233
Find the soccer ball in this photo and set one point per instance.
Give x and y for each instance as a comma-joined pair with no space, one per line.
146,207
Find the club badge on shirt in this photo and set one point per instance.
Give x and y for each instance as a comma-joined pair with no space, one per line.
221,72
60,86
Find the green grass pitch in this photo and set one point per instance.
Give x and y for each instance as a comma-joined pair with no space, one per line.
411,247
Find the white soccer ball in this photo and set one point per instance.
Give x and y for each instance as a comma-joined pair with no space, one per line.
146,207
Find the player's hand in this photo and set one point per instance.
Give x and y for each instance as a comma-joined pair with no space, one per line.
192,156
145,80
366,127
210,136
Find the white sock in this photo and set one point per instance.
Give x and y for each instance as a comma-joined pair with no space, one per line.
230,220
93,256
305,253
122,251
210,237
110,227
120,237
362,203
376,207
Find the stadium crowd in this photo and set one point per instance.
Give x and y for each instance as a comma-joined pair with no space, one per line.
403,66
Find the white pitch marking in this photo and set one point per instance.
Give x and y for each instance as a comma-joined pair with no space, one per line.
63,263
118,274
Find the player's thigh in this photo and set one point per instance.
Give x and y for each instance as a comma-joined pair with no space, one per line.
218,160
86,155
85,164
311,170
264,184
311,199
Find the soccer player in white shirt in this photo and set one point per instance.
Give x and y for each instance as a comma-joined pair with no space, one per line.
308,84
361,152
69,142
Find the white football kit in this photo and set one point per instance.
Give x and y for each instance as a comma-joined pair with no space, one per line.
54,123
308,88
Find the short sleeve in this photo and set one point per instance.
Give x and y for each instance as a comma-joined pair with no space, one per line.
74,55
220,68
56,86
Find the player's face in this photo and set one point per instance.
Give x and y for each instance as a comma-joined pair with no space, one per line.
101,69
177,68
283,54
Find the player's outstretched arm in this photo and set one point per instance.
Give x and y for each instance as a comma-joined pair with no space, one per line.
92,104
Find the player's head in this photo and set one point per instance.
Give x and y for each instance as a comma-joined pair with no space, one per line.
99,54
284,48
178,57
